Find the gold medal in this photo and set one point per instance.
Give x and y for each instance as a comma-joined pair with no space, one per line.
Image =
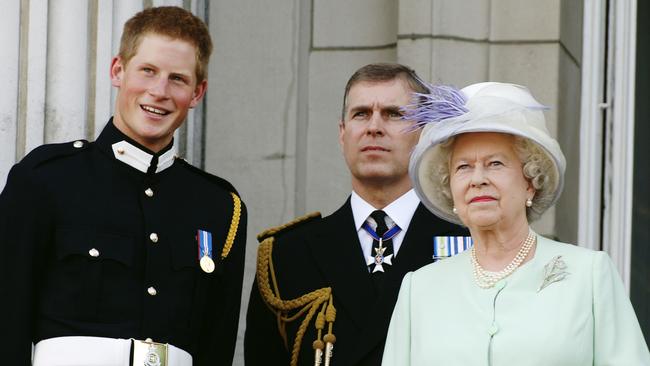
207,265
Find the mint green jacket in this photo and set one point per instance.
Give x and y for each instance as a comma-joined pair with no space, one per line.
443,318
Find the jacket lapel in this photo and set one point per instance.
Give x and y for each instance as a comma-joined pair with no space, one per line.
337,252
416,251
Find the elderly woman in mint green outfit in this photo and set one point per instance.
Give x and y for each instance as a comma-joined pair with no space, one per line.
485,159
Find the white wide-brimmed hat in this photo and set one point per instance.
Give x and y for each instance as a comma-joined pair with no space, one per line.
484,107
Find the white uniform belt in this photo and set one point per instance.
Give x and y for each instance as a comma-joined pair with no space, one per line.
97,351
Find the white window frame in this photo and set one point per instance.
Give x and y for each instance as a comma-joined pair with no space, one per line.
612,78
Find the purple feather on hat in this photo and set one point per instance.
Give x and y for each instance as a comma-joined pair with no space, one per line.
440,103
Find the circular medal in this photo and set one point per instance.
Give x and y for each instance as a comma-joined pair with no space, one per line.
207,265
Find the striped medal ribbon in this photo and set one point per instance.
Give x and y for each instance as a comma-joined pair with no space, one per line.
449,246
204,239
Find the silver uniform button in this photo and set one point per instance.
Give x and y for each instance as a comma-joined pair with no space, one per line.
94,253
120,150
153,237
78,144
149,192
152,291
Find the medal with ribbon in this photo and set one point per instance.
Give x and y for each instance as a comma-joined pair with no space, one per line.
379,259
204,239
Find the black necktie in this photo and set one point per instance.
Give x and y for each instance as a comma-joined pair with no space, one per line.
386,246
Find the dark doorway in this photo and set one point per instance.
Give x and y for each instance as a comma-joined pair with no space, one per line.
640,270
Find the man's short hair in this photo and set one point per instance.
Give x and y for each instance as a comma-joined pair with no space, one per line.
380,72
173,22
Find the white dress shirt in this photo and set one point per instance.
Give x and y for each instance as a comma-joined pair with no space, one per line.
399,212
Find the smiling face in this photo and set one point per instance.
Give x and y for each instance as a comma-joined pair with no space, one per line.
375,144
156,88
487,182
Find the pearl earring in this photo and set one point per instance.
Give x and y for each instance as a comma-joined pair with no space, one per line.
454,210
529,203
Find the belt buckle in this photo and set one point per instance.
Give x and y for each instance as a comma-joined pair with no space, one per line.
149,353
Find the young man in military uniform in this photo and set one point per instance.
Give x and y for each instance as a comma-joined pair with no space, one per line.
115,252
325,288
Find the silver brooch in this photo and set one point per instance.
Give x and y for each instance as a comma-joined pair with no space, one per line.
554,271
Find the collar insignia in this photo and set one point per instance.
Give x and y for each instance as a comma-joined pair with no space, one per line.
140,160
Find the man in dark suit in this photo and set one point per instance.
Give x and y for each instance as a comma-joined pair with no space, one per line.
325,288
115,252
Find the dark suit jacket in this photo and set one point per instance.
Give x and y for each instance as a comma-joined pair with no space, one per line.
327,253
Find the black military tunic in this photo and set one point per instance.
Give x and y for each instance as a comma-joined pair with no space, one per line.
91,246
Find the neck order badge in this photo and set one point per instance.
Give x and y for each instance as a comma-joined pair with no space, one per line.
379,259
204,239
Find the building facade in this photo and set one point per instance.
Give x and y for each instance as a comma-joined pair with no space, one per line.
269,120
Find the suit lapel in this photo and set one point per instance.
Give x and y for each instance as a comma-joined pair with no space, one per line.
416,251
337,252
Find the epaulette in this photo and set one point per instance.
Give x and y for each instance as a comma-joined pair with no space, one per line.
236,203
317,303
49,152
211,177
310,217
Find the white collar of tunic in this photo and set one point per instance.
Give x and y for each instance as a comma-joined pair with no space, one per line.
133,156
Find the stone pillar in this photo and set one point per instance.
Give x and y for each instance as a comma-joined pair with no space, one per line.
568,117
9,36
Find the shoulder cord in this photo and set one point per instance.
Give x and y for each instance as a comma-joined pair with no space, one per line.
309,303
272,231
234,225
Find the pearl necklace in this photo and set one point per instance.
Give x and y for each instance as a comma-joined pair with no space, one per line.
486,279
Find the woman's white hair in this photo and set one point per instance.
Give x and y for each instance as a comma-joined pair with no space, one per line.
536,164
